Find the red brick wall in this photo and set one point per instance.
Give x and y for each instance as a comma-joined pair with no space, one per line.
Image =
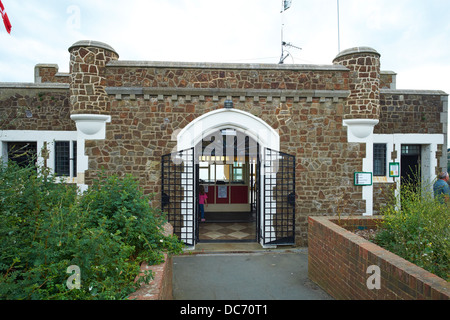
160,288
338,261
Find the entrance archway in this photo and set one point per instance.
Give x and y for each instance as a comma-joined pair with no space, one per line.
274,176
228,175
207,135
221,119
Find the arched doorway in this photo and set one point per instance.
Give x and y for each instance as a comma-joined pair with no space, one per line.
259,178
228,174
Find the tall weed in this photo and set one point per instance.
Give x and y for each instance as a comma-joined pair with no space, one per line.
418,230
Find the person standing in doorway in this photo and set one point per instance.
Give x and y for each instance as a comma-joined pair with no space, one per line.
202,201
441,188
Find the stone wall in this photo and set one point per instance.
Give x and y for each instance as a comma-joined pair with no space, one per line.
388,80
415,111
49,73
383,193
35,108
225,76
144,126
404,111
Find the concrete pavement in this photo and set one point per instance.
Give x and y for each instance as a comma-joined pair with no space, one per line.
254,275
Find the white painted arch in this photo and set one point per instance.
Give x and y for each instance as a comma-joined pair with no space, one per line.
211,122
246,123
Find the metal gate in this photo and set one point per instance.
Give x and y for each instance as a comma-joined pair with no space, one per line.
178,194
278,222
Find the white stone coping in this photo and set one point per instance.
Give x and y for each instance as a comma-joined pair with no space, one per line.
355,50
92,43
31,85
414,92
224,66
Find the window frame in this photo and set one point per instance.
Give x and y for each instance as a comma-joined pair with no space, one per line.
380,155
70,159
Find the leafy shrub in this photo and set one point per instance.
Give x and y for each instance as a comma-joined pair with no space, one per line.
45,227
418,230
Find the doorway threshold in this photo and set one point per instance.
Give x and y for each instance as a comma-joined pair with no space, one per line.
226,247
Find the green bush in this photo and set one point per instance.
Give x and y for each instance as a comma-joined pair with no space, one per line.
418,230
45,227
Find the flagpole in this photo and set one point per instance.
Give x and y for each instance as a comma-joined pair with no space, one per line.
339,28
282,30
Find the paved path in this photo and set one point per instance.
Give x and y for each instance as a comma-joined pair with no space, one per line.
277,275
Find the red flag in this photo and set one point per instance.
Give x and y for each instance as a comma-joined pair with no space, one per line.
5,18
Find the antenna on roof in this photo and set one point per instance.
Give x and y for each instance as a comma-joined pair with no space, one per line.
286,4
285,45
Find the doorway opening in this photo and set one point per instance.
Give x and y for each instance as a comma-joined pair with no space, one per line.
228,170
410,174
411,164
235,156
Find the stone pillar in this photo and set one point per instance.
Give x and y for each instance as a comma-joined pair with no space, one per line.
88,61
89,103
364,81
364,105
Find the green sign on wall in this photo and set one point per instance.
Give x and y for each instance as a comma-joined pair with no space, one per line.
363,179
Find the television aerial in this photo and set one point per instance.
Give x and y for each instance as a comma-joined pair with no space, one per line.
284,55
285,5
284,45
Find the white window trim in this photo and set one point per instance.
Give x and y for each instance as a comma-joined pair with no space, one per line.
40,137
431,141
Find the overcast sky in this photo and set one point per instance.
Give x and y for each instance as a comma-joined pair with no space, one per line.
412,36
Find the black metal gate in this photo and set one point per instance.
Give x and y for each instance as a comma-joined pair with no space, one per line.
179,194
278,225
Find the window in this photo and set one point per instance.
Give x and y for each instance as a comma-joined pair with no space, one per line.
222,173
379,160
22,153
238,172
63,158
204,172
411,150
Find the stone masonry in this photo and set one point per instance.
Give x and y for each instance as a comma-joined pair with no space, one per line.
150,102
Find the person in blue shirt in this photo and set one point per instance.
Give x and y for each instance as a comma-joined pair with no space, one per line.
441,188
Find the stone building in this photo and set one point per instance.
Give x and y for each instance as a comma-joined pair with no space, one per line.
270,144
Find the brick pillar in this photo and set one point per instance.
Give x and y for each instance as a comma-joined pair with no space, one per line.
364,82
88,61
